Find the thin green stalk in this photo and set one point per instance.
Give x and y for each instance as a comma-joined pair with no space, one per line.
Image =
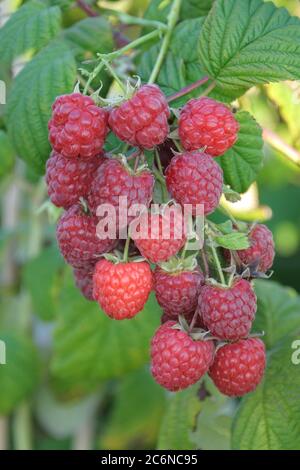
134,20
93,75
160,176
126,249
115,76
132,45
172,20
216,259
21,428
210,87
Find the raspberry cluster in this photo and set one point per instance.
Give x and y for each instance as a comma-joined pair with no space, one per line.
205,324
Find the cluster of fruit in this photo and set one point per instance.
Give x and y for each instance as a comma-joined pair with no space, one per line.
205,325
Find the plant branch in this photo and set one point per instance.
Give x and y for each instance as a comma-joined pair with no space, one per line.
278,144
86,8
137,42
187,89
172,20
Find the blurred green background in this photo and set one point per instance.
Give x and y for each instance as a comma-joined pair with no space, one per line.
75,379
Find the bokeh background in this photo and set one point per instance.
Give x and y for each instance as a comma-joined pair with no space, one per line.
75,379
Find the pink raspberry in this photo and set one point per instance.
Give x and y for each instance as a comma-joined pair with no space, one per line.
207,123
77,127
142,121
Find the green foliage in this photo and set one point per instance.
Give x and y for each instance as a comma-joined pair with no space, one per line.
51,73
269,418
90,347
159,10
213,428
30,27
179,420
243,161
142,422
7,154
90,35
19,376
247,43
182,66
46,269
278,311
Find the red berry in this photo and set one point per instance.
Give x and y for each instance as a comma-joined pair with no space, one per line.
113,181
195,178
77,127
84,281
177,293
177,361
77,238
228,312
161,235
68,180
205,122
239,367
261,250
142,120
122,289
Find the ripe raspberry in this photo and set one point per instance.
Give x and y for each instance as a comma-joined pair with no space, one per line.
142,120
77,238
177,361
228,312
68,180
195,178
113,181
177,293
77,127
205,122
261,251
161,236
239,367
122,289
84,281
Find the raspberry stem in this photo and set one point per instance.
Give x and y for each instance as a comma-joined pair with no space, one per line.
126,250
187,89
160,176
216,258
132,45
172,20
114,75
134,20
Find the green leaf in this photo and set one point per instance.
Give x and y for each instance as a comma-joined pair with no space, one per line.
269,418
90,347
142,422
7,154
31,27
19,375
180,420
46,268
90,35
248,43
52,72
159,10
278,311
181,66
243,161
233,241
213,429
194,8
